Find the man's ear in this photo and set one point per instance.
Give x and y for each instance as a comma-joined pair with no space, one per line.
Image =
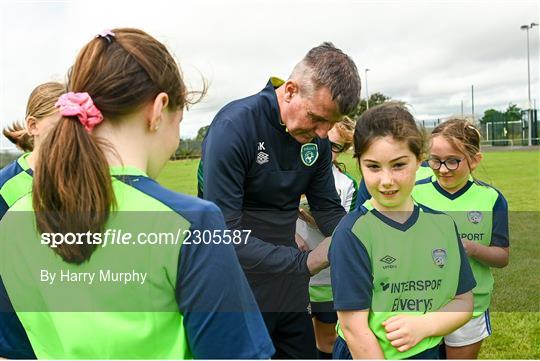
31,126
291,89
158,106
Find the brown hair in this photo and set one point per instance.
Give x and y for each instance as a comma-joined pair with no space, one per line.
327,66
40,105
388,119
72,185
461,134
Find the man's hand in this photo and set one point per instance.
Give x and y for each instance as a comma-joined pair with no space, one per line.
318,258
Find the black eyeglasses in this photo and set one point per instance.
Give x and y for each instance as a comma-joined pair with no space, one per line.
337,148
450,163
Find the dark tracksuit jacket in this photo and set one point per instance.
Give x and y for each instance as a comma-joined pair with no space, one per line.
253,170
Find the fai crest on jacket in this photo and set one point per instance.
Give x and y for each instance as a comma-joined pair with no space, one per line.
439,257
309,153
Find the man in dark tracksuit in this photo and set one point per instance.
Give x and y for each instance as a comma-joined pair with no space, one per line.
260,154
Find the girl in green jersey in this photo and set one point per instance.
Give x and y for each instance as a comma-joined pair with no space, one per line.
94,179
16,182
400,277
481,214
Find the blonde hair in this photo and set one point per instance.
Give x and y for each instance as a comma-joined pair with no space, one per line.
345,128
461,134
40,105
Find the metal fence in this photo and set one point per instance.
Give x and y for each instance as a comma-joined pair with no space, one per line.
501,132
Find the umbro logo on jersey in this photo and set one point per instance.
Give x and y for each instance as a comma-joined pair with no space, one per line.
389,260
385,286
262,158
474,217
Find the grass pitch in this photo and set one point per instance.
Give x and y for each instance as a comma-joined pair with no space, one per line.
516,299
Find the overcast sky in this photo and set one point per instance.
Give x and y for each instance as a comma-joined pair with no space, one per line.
427,53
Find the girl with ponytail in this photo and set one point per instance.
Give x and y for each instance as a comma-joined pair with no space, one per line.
16,182
120,124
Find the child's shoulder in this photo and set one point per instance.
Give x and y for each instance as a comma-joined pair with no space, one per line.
486,187
433,216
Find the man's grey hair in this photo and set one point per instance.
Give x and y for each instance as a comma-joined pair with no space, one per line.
328,66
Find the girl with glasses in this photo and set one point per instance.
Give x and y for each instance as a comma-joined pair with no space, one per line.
481,214
308,237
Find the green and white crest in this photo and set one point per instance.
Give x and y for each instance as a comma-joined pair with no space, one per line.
309,153
439,257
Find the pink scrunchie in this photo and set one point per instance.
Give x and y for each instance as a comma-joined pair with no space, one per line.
80,105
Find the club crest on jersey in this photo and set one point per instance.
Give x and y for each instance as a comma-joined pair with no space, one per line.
309,153
439,257
474,217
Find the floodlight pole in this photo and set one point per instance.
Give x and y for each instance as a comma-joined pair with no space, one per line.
472,101
529,112
367,93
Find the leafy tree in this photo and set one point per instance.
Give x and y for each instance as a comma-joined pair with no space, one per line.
491,116
202,133
513,113
374,99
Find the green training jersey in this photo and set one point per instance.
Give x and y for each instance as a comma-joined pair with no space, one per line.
147,291
481,215
392,268
15,182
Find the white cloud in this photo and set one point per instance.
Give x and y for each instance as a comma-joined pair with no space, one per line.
427,53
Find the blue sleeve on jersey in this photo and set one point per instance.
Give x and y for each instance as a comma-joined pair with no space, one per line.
3,207
324,202
424,181
500,234
363,194
352,279
466,280
14,343
221,317
223,184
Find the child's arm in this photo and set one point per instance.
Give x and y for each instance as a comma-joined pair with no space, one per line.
405,331
492,256
360,340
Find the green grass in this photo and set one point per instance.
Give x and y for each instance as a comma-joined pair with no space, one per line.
181,176
516,297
